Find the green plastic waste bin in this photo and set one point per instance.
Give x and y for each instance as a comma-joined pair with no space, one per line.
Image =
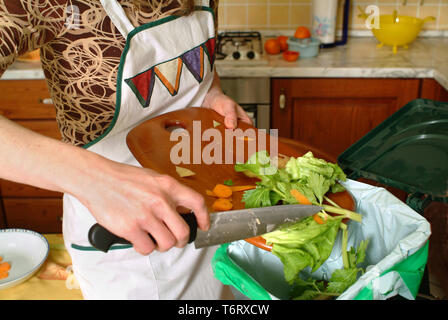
395,259
408,151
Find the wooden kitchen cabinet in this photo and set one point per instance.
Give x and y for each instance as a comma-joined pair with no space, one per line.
28,103
2,216
332,114
43,215
431,89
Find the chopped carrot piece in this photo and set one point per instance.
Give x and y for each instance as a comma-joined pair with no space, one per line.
4,266
300,197
318,219
242,188
1,258
210,193
4,274
222,191
222,204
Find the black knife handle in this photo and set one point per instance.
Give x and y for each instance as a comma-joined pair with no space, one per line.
102,239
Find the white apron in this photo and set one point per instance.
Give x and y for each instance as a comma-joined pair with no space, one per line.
166,65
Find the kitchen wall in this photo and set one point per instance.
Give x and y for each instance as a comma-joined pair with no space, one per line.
288,14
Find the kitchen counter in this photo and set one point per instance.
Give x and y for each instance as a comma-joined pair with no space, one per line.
360,58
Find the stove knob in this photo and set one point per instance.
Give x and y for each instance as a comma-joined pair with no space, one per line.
236,55
250,55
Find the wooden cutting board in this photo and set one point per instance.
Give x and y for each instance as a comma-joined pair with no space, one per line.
152,143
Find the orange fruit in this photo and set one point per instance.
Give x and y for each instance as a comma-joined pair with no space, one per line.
302,33
272,46
282,40
290,55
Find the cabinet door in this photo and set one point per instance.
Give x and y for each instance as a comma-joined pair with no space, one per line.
431,89
2,215
28,103
26,99
41,215
332,114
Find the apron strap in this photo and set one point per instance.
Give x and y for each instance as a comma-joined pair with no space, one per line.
203,3
116,13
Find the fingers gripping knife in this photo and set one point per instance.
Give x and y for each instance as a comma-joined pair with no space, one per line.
225,226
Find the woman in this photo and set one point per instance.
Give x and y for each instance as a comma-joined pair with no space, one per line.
110,65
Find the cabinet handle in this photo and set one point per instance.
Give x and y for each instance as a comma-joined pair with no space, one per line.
282,99
46,101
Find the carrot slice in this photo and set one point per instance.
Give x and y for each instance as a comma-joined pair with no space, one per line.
222,191
1,258
4,266
242,188
300,197
318,219
4,274
222,204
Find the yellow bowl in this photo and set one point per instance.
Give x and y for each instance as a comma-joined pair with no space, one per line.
397,30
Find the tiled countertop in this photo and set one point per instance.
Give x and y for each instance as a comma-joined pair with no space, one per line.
360,58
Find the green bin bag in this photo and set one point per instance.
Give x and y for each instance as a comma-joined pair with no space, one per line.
395,259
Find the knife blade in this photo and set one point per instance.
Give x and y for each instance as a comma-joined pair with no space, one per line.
225,226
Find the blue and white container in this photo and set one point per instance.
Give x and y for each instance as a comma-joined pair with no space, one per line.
307,48
324,20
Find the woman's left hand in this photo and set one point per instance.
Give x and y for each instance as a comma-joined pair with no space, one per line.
225,106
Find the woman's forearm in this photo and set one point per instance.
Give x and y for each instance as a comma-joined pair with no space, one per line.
31,158
128,201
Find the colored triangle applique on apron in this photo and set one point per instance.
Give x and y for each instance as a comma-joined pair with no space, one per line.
194,61
169,74
142,85
209,47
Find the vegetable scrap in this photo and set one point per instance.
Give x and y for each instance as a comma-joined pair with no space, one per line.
222,204
305,245
241,188
300,197
222,191
4,269
216,124
318,219
184,172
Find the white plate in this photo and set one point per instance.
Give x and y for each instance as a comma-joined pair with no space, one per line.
25,250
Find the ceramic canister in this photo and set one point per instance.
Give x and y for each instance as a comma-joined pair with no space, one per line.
324,20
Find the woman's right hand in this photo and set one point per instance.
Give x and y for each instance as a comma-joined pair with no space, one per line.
131,202
128,201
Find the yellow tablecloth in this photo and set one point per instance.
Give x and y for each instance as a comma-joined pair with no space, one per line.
37,288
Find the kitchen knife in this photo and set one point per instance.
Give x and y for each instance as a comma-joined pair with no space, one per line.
225,226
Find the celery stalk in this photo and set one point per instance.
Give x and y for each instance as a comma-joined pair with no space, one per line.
347,213
331,202
344,245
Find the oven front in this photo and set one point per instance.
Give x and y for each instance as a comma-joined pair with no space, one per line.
253,94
